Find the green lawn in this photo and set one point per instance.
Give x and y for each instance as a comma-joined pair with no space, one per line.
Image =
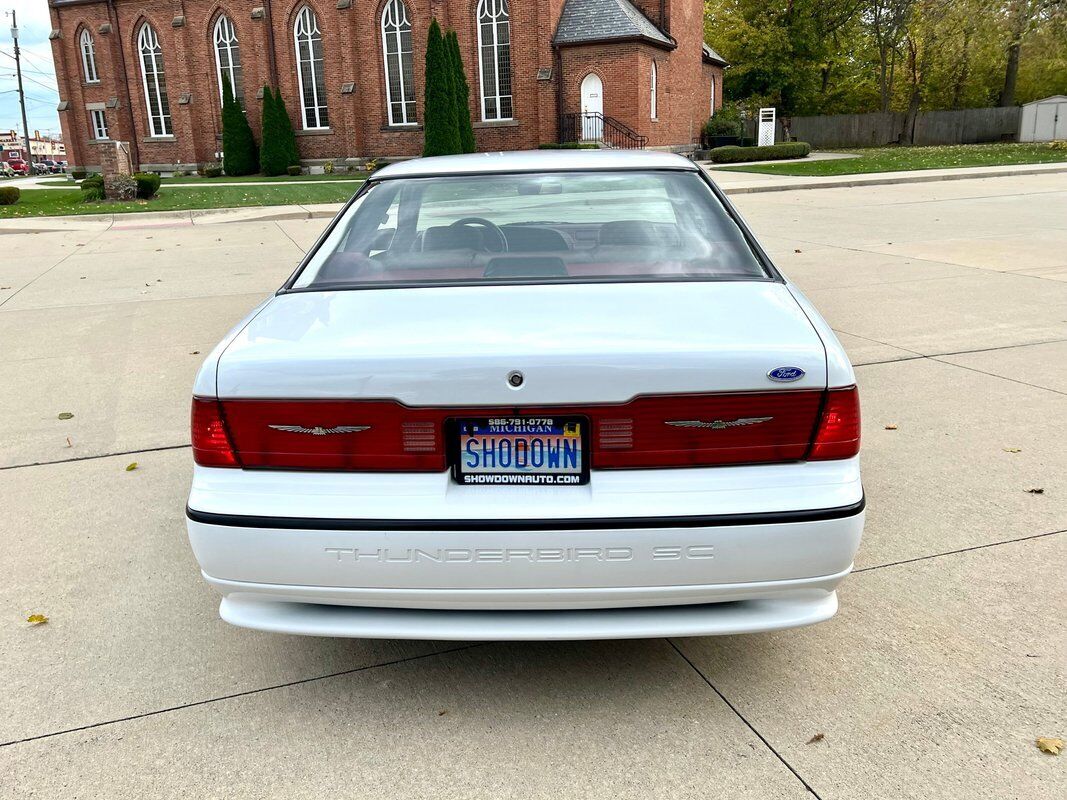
59,202
337,176
894,159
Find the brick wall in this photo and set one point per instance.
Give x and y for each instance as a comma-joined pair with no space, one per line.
352,53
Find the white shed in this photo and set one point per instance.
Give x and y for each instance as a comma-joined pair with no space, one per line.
1044,120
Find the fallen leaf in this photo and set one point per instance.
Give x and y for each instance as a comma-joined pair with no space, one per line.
1049,745
444,711
69,442
797,250
1012,449
41,619
65,415
890,427
1035,491
816,738
195,353
131,466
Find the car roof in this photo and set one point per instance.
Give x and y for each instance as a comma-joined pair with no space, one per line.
534,161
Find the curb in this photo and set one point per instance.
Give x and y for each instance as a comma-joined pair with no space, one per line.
885,181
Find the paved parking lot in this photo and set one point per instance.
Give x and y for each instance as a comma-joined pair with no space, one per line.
947,660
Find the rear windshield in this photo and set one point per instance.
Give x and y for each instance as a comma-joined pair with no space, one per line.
547,227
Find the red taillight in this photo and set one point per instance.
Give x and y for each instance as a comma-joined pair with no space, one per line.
647,432
704,430
838,434
211,445
368,435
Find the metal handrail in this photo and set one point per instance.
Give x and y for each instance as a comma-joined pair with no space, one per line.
592,126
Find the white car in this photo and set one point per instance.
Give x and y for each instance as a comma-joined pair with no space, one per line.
536,395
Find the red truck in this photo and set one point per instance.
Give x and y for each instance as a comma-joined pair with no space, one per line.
19,166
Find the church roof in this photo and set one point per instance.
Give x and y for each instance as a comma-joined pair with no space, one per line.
713,57
603,20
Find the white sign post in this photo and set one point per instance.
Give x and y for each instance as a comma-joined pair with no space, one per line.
766,127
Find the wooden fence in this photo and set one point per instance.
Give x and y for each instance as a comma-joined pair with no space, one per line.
967,126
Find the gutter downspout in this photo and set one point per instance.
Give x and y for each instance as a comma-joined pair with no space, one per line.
134,146
272,61
559,92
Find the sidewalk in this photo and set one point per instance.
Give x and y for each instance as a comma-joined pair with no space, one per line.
732,183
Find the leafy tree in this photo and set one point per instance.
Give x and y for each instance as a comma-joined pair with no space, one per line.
1023,17
854,56
441,131
239,156
462,96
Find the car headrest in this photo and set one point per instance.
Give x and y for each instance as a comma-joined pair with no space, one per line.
452,237
632,232
533,239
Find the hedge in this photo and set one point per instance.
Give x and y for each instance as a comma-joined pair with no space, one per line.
9,195
732,155
147,184
92,188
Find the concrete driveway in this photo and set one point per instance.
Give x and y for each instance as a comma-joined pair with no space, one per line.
947,660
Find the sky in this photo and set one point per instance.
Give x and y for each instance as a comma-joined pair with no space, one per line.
38,73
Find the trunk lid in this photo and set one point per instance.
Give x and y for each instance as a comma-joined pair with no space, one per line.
574,343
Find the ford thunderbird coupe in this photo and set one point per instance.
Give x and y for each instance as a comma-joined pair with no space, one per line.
538,395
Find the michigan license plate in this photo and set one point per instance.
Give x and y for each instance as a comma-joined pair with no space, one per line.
544,451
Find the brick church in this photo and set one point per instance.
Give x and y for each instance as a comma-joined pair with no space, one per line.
631,73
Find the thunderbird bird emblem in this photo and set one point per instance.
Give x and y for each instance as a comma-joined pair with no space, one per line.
318,430
718,424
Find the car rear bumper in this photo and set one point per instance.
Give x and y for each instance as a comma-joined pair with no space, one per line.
596,582
637,554
742,616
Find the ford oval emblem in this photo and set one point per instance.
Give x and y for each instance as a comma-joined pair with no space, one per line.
786,374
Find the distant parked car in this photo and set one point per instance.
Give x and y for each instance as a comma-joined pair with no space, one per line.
19,166
40,168
6,171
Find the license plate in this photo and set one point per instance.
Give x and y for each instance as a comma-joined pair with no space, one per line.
542,451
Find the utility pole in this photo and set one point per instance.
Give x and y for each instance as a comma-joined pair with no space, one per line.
22,96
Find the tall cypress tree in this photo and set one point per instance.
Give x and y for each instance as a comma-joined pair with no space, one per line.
239,155
271,160
439,127
285,130
462,96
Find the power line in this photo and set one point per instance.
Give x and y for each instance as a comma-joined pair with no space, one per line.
50,74
44,85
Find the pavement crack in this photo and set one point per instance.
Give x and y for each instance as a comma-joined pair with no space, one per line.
234,695
994,375
99,455
40,275
741,717
960,550
290,238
